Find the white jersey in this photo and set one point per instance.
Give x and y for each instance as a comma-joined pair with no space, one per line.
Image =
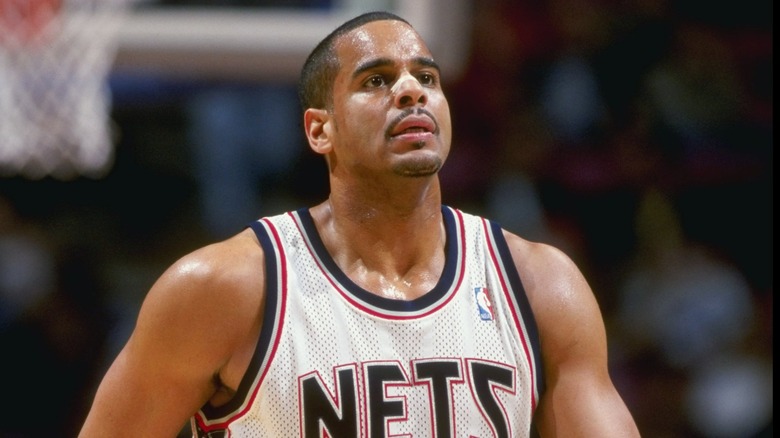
334,360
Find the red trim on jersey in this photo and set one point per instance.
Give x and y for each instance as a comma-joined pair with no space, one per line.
282,304
515,310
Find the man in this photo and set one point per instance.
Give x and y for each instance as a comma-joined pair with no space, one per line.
377,313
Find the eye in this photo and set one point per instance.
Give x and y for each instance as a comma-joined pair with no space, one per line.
375,81
427,79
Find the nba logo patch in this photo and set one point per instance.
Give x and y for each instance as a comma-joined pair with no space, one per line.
483,303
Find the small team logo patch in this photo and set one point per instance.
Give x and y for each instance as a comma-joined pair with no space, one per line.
483,303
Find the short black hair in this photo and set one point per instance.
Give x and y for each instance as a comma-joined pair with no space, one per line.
315,87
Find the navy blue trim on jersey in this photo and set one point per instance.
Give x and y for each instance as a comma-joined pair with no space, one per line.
266,332
527,313
451,250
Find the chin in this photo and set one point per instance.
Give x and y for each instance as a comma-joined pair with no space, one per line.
418,167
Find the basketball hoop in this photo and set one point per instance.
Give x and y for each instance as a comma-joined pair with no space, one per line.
55,56
25,20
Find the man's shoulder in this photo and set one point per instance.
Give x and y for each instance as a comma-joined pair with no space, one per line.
228,265
536,254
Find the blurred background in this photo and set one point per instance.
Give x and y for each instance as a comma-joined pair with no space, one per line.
636,135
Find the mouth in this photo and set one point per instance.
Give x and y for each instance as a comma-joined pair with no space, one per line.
413,131
413,126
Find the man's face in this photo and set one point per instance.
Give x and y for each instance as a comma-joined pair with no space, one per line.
389,113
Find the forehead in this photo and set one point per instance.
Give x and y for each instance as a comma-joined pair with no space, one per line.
388,39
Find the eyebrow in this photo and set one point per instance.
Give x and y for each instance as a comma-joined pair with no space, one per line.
384,62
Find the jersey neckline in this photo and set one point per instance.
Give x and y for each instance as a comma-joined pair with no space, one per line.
448,281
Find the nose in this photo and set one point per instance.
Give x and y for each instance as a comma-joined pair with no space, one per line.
408,92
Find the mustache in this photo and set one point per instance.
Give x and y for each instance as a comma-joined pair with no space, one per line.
408,112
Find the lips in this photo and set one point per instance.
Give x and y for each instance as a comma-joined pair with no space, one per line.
413,125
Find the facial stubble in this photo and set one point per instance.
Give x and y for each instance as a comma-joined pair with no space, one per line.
418,167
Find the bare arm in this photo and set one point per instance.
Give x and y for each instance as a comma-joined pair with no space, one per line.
192,333
580,399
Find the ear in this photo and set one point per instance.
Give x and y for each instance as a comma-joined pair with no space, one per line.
317,125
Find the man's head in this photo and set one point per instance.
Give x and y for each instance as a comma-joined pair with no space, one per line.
378,105
315,89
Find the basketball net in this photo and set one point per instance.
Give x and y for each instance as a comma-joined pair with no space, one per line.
55,56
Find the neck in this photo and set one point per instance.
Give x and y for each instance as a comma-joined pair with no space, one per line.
393,246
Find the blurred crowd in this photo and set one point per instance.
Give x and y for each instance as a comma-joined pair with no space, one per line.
636,135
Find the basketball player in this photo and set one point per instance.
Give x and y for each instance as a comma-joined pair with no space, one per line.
377,313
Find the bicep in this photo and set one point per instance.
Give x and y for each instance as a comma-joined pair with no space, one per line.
141,395
580,399
155,383
191,324
582,405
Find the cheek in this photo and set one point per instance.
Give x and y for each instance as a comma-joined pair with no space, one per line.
364,117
